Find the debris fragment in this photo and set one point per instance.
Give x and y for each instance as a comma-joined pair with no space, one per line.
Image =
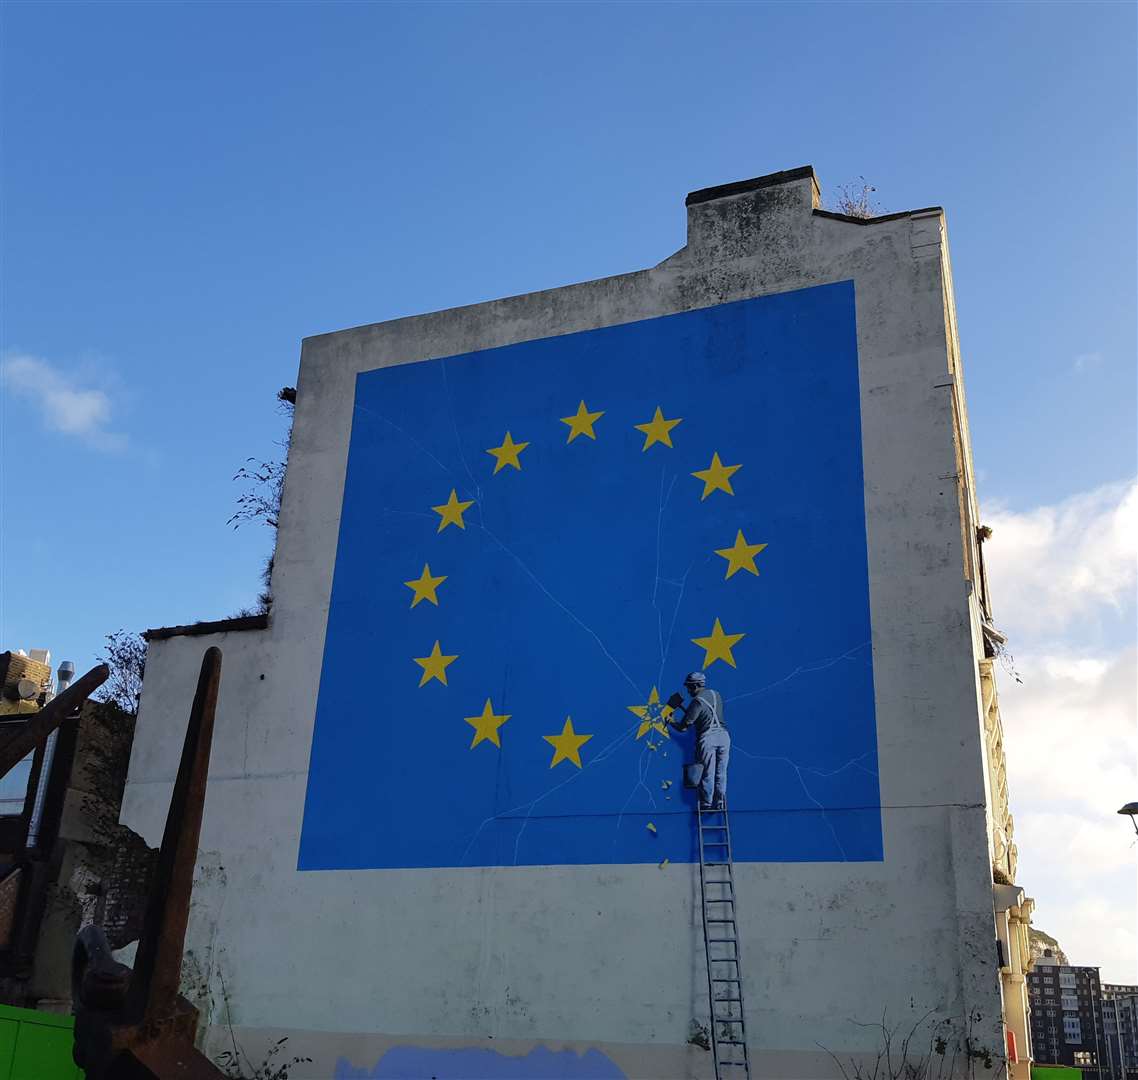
663,864
651,827
665,784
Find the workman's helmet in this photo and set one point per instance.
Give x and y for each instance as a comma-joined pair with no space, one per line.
695,678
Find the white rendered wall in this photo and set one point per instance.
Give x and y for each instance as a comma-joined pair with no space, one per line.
611,957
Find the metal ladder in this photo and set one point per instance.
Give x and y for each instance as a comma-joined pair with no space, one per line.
721,936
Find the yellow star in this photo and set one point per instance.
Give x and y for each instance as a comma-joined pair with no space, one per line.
486,726
451,511
567,745
434,666
425,585
582,423
741,556
507,453
718,645
657,430
653,716
716,477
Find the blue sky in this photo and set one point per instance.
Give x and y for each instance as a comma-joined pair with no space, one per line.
188,190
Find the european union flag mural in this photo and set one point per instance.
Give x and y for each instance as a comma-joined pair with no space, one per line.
539,542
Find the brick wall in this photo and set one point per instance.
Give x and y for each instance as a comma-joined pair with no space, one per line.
128,889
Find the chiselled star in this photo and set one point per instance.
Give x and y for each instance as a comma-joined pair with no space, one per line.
716,477
653,715
717,646
658,430
486,726
425,586
452,510
434,666
507,454
581,423
740,556
567,745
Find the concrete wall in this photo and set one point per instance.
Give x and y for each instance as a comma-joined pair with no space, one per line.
607,962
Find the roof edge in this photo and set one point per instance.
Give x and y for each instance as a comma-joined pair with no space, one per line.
835,216
220,626
741,187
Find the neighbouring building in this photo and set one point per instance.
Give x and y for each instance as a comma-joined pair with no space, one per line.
1120,1030
446,831
1067,1015
64,858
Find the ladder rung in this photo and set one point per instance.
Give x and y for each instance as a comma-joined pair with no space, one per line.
730,1042
725,980
729,999
721,940
721,920
728,1019
713,826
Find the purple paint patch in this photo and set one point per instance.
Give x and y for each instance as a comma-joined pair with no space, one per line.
431,1063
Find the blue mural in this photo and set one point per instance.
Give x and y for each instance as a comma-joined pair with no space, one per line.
432,1063
539,542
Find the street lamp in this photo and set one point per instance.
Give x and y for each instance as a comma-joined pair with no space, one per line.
1131,811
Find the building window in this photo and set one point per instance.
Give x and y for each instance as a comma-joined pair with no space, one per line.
1049,991
14,787
1048,979
1071,1004
1084,1057
1067,980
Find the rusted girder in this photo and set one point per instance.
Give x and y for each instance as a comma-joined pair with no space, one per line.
158,962
151,1033
41,724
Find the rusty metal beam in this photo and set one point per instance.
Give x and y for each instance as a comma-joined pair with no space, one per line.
41,724
158,962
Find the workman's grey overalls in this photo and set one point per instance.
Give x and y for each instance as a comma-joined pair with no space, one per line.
712,743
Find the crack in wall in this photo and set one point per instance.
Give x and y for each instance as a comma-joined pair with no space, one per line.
644,761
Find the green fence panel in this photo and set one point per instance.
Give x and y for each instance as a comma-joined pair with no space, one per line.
9,1029
1055,1072
36,1045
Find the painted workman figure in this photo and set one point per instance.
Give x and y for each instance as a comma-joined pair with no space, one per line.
704,712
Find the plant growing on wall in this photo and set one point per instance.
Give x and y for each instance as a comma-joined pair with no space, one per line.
928,1050
236,1066
855,199
261,499
125,654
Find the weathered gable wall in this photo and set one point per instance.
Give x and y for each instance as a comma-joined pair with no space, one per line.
358,964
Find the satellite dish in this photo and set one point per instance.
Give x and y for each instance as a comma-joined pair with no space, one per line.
27,689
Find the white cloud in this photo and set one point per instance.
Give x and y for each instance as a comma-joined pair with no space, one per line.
1070,729
1058,574
66,406
1056,565
1087,362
